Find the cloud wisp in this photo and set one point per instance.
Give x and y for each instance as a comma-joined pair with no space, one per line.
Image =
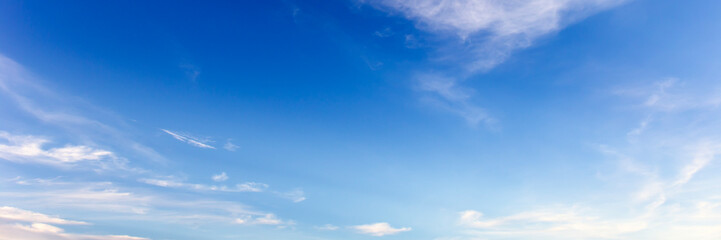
16,214
445,93
118,203
193,141
296,195
230,146
240,187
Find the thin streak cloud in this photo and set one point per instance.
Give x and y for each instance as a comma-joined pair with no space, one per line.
193,141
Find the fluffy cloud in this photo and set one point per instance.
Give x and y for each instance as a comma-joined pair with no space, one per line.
379,229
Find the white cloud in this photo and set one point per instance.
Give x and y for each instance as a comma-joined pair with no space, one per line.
500,18
37,181
673,95
40,228
220,177
193,141
96,197
642,126
490,30
230,146
296,195
267,219
113,202
241,187
379,229
703,154
564,223
16,214
24,149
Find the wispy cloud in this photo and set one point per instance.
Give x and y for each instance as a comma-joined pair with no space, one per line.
296,195
220,177
193,141
267,219
29,149
564,223
115,202
241,187
703,153
673,95
12,226
445,93
379,229
16,214
230,146
88,196
490,30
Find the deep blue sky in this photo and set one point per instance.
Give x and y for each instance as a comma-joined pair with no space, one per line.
421,119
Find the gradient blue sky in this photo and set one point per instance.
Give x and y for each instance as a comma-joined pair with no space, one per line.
360,119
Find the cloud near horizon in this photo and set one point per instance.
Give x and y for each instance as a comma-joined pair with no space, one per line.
22,224
379,229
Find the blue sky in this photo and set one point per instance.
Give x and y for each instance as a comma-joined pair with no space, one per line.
360,119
